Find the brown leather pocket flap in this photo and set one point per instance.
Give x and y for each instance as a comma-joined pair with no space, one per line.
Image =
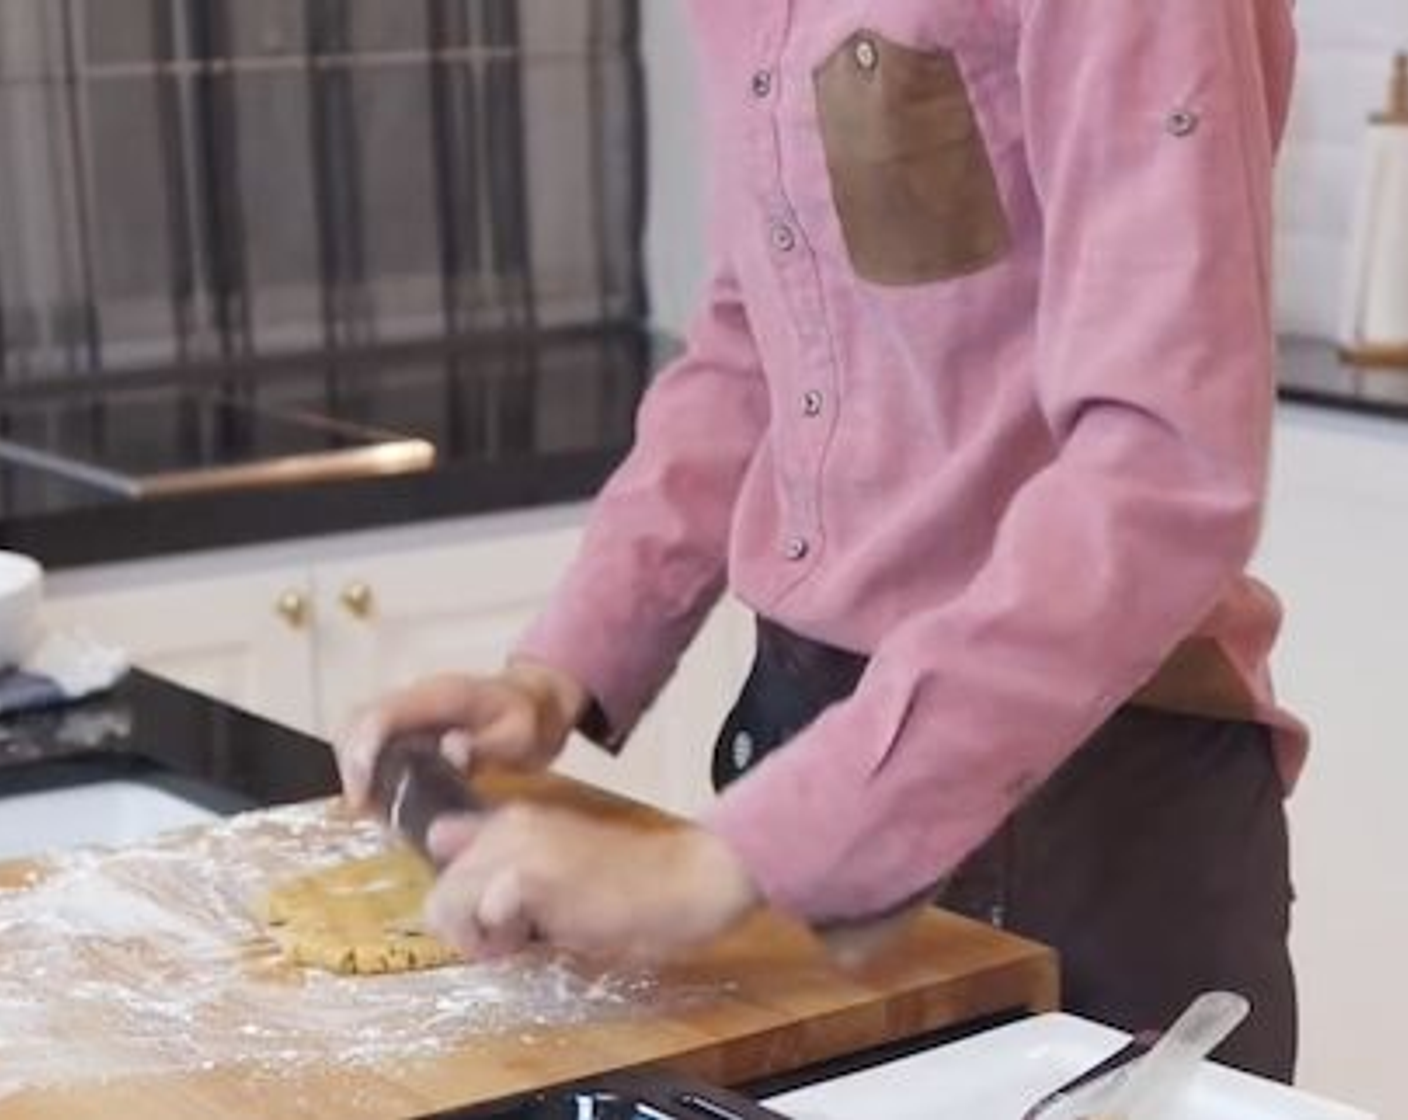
907,101
914,188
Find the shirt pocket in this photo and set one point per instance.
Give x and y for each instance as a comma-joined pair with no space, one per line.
910,173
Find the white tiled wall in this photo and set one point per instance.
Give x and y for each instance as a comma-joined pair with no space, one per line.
1346,54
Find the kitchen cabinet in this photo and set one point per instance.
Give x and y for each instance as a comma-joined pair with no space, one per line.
1336,550
229,635
387,619
304,633
384,619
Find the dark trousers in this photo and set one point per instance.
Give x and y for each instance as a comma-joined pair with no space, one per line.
1155,861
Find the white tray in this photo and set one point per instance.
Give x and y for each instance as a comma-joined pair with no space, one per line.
997,1075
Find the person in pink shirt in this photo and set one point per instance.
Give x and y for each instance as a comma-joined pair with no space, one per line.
975,415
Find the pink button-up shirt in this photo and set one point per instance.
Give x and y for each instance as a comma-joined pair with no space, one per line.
982,387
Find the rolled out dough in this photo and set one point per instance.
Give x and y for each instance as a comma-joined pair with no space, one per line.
359,918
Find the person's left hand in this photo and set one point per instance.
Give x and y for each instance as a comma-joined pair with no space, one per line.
525,873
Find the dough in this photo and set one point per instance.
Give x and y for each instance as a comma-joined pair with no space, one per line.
358,918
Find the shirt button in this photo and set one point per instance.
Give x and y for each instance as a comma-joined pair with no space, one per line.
866,55
762,84
796,549
784,240
1182,122
742,750
812,402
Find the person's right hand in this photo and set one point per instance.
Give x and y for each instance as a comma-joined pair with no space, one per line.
520,717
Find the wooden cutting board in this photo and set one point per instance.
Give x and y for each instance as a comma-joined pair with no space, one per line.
776,1004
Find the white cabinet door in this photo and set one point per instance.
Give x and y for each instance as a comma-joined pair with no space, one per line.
244,638
390,618
380,610
386,619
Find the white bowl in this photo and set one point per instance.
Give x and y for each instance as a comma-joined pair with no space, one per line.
21,591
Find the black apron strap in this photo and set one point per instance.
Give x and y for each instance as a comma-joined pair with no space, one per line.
792,681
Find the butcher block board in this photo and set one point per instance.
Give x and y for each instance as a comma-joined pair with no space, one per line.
774,1003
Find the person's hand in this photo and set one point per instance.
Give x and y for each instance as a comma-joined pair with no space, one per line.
528,873
520,718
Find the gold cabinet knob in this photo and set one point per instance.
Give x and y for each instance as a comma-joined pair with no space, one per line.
292,607
359,599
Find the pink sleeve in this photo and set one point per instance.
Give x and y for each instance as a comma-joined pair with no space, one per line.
654,557
1154,372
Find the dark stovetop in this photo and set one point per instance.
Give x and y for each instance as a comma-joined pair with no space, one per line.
208,752
513,425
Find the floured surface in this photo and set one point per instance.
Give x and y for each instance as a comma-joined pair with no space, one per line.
152,960
361,918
